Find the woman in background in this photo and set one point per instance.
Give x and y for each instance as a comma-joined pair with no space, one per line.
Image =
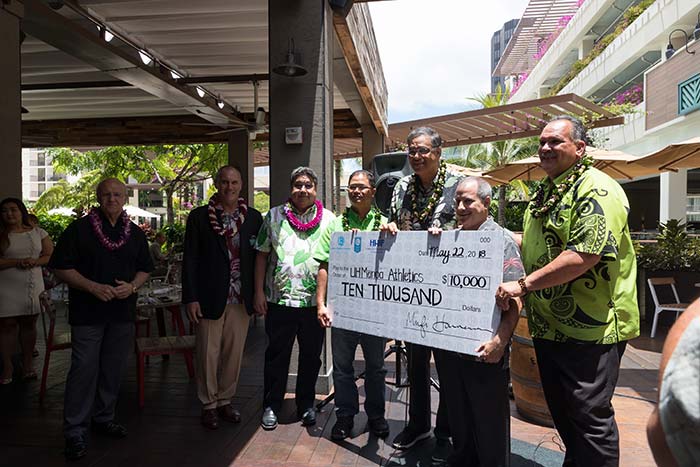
24,249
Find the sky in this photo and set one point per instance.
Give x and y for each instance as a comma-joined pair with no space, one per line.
436,53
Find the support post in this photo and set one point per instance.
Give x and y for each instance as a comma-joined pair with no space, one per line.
11,12
240,154
372,144
673,199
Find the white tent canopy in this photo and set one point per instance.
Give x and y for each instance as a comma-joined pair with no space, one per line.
132,211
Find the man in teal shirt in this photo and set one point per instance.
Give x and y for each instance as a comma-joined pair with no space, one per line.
580,292
360,216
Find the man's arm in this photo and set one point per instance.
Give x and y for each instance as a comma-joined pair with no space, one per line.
324,317
655,432
492,350
76,280
564,268
259,300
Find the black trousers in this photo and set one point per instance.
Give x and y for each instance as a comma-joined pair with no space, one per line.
476,396
99,354
578,382
282,325
419,400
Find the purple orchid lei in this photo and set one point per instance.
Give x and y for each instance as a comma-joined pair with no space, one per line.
124,235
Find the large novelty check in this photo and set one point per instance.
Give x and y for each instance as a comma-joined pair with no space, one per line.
437,291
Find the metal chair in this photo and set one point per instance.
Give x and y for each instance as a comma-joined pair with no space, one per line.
678,306
54,341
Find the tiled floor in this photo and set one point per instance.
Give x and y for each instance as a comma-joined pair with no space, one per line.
167,431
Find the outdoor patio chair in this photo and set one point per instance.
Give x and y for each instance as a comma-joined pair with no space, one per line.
168,345
678,307
54,341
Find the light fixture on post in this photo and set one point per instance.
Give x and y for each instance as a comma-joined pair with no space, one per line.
669,48
290,68
200,92
259,117
220,104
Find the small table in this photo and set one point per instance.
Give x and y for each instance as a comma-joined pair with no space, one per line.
163,298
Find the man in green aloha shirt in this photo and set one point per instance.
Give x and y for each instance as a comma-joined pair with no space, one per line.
360,216
285,293
422,201
580,292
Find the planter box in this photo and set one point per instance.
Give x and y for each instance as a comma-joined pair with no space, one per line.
685,284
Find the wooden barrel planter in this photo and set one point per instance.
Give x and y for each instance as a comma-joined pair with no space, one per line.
525,377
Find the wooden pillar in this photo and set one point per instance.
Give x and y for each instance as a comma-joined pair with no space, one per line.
11,13
240,154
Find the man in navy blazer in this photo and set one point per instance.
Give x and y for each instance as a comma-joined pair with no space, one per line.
217,290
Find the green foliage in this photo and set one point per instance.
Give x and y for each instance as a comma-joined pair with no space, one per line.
261,201
174,237
674,250
628,18
79,195
54,224
514,214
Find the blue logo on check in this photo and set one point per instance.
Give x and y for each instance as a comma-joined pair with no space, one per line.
357,246
341,241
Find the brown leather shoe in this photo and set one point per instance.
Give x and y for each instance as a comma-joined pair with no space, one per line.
228,413
210,419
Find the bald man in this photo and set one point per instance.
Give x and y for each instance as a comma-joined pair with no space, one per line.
103,257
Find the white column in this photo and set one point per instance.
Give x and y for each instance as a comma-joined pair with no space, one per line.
673,199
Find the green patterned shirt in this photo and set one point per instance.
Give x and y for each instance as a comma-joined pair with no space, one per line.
323,248
601,305
290,277
444,214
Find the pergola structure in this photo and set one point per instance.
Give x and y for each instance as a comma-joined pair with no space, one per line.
129,72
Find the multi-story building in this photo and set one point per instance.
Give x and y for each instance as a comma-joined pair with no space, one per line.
37,173
621,51
499,41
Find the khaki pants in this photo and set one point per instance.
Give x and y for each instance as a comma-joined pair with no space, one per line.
219,351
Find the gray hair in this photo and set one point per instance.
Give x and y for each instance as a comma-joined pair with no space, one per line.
578,131
301,171
483,189
223,169
366,173
435,140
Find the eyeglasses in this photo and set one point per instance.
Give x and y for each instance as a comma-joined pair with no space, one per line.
358,187
422,150
301,185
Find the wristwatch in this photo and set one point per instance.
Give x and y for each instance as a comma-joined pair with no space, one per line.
133,288
523,287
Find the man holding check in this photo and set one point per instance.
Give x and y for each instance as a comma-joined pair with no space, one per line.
360,216
476,388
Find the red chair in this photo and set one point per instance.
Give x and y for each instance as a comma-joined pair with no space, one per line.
146,346
54,341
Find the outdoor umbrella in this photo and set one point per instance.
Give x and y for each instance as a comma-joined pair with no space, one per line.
134,211
683,155
467,172
617,164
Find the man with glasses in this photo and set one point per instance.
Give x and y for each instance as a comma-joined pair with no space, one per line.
360,216
422,201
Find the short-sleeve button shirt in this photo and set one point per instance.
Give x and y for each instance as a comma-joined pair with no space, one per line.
444,214
322,252
600,305
290,278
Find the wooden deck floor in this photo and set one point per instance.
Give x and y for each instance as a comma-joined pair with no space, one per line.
167,432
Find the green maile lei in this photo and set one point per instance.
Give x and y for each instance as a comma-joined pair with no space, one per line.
438,187
375,224
539,206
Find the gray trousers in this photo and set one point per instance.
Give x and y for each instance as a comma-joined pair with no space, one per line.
98,360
